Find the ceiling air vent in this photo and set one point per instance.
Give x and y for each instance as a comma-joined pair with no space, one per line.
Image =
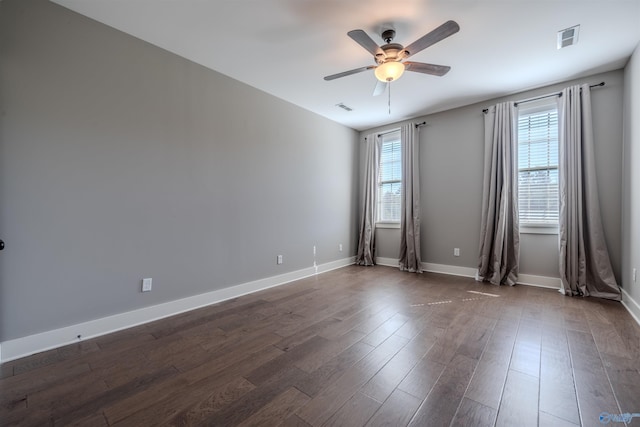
568,36
344,107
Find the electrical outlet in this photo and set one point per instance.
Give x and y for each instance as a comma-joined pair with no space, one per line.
314,249
340,247
146,284
456,251
279,260
634,274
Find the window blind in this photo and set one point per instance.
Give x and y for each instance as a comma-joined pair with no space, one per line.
390,179
538,166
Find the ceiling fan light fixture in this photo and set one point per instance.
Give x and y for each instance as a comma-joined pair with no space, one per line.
389,71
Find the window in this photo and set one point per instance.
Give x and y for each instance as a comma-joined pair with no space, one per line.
389,180
538,167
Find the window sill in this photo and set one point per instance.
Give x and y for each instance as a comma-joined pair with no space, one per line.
387,225
539,229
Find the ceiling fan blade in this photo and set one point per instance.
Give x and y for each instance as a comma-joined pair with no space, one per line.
363,39
442,32
421,67
348,73
380,88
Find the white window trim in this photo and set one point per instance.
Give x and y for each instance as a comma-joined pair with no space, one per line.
541,228
387,224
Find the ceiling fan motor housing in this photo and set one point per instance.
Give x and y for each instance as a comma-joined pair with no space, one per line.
392,52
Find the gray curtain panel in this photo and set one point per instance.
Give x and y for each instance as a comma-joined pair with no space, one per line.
410,208
585,268
366,242
499,231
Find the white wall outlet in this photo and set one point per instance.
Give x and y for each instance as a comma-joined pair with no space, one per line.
340,247
456,251
634,274
314,249
146,284
279,260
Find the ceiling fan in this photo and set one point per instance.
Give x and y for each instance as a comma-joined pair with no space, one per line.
389,57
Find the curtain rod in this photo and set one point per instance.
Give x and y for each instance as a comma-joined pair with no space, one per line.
388,132
417,125
542,97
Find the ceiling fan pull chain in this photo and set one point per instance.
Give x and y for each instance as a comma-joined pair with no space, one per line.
389,99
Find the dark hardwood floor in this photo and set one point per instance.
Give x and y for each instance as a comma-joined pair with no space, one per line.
356,346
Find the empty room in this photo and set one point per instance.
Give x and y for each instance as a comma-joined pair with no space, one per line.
319,213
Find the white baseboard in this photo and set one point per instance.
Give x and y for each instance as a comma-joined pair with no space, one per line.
631,305
431,268
387,262
539,281
454,270
333,265
25,346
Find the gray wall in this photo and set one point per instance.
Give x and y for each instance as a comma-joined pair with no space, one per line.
119,161
631,211
451,158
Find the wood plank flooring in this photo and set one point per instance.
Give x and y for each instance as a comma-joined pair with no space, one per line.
358,346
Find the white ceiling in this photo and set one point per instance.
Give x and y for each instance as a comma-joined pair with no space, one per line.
286,47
